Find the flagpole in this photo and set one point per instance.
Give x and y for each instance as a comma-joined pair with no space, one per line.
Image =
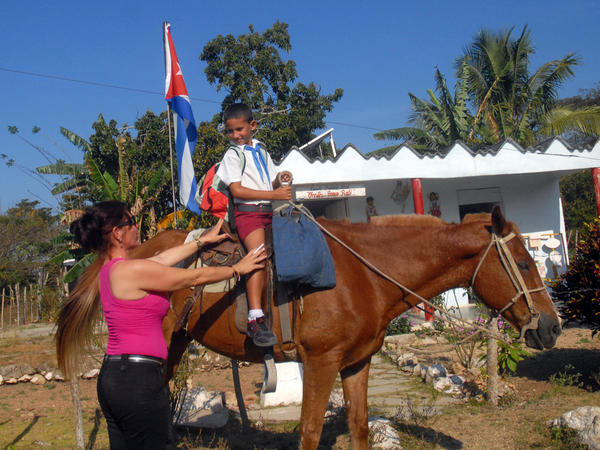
171,162
170,137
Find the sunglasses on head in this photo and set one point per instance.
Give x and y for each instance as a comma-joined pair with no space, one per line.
129,222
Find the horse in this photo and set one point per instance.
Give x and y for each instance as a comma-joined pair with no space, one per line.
339,330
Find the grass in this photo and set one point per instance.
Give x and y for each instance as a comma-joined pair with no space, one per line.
566,377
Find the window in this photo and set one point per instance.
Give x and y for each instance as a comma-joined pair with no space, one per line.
481,200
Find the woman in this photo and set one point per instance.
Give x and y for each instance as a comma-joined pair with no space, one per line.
134,297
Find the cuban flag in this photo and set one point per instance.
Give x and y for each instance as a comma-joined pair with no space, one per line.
185,126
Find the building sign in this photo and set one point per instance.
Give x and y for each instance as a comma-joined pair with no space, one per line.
329,194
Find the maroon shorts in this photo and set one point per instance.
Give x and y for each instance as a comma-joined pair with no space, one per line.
247,222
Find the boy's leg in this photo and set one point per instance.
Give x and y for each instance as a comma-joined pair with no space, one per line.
255,282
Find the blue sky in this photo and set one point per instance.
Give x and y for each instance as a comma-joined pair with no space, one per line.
376,51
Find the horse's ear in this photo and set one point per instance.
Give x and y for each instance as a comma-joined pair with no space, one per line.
498,221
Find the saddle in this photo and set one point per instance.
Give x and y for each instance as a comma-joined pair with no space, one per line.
227,253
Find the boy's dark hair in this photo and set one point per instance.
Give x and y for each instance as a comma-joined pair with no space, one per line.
370,198
238,111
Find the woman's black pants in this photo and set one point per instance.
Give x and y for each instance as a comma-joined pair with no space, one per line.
135,403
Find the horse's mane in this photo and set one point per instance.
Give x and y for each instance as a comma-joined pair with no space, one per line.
410,220
477,217
407,220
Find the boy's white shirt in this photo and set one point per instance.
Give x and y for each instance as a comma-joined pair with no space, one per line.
230,171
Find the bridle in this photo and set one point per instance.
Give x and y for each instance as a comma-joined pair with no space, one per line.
510,267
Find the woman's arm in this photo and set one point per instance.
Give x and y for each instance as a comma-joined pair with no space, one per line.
134,278
172,256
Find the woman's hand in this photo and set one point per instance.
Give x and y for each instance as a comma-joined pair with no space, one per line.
212,236
252,261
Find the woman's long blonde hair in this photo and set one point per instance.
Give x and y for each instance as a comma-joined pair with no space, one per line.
81,312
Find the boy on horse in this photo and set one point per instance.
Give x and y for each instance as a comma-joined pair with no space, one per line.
253,183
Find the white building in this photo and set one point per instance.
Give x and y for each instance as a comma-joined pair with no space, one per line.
524,182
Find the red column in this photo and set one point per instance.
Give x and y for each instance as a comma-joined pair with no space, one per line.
596,178
417,191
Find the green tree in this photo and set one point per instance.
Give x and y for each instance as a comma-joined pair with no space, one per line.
505,100
514,103
439,121
578,290
251,70
27,242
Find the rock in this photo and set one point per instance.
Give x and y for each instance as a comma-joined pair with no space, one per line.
11,380
442,383
585,421
433,372
423,373
448,385
58,376
203,409
336,399
17,370
406,359
417,370
48,376
408,369
90,374
457,380
384,435
24,379
399,340
428,341
38,379
1,380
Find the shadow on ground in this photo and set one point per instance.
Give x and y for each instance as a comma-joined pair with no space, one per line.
233,436
431,436
554,361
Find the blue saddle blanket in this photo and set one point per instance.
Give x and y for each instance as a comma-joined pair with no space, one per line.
301,252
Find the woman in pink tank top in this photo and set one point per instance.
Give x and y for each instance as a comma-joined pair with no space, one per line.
133,294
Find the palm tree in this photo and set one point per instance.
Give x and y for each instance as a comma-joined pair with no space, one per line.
510,101
441,120
507,102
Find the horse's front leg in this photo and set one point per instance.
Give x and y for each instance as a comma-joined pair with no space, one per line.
178,344
319,375
354,382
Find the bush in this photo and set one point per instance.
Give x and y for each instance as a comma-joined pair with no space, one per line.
399,325
577,292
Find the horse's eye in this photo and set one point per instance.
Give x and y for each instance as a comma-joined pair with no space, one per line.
523,265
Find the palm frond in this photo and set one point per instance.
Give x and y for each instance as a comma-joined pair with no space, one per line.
77,270
75,139
62,168
563,119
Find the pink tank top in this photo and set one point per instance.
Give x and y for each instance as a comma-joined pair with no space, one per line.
134,326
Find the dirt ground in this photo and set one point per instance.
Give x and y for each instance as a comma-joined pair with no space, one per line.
546,385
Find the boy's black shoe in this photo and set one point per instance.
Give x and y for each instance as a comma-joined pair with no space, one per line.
260,333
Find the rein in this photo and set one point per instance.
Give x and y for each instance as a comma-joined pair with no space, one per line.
505,256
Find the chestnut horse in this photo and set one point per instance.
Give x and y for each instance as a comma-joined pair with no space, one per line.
339,330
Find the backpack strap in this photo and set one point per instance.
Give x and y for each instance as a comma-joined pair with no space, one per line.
240,153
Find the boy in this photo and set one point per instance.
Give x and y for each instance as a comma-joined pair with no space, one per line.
252,186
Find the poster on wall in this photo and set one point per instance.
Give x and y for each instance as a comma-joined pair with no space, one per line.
548,252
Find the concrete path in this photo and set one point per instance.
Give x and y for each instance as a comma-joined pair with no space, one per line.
390,392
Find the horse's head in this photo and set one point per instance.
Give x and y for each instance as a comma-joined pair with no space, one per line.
508,281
